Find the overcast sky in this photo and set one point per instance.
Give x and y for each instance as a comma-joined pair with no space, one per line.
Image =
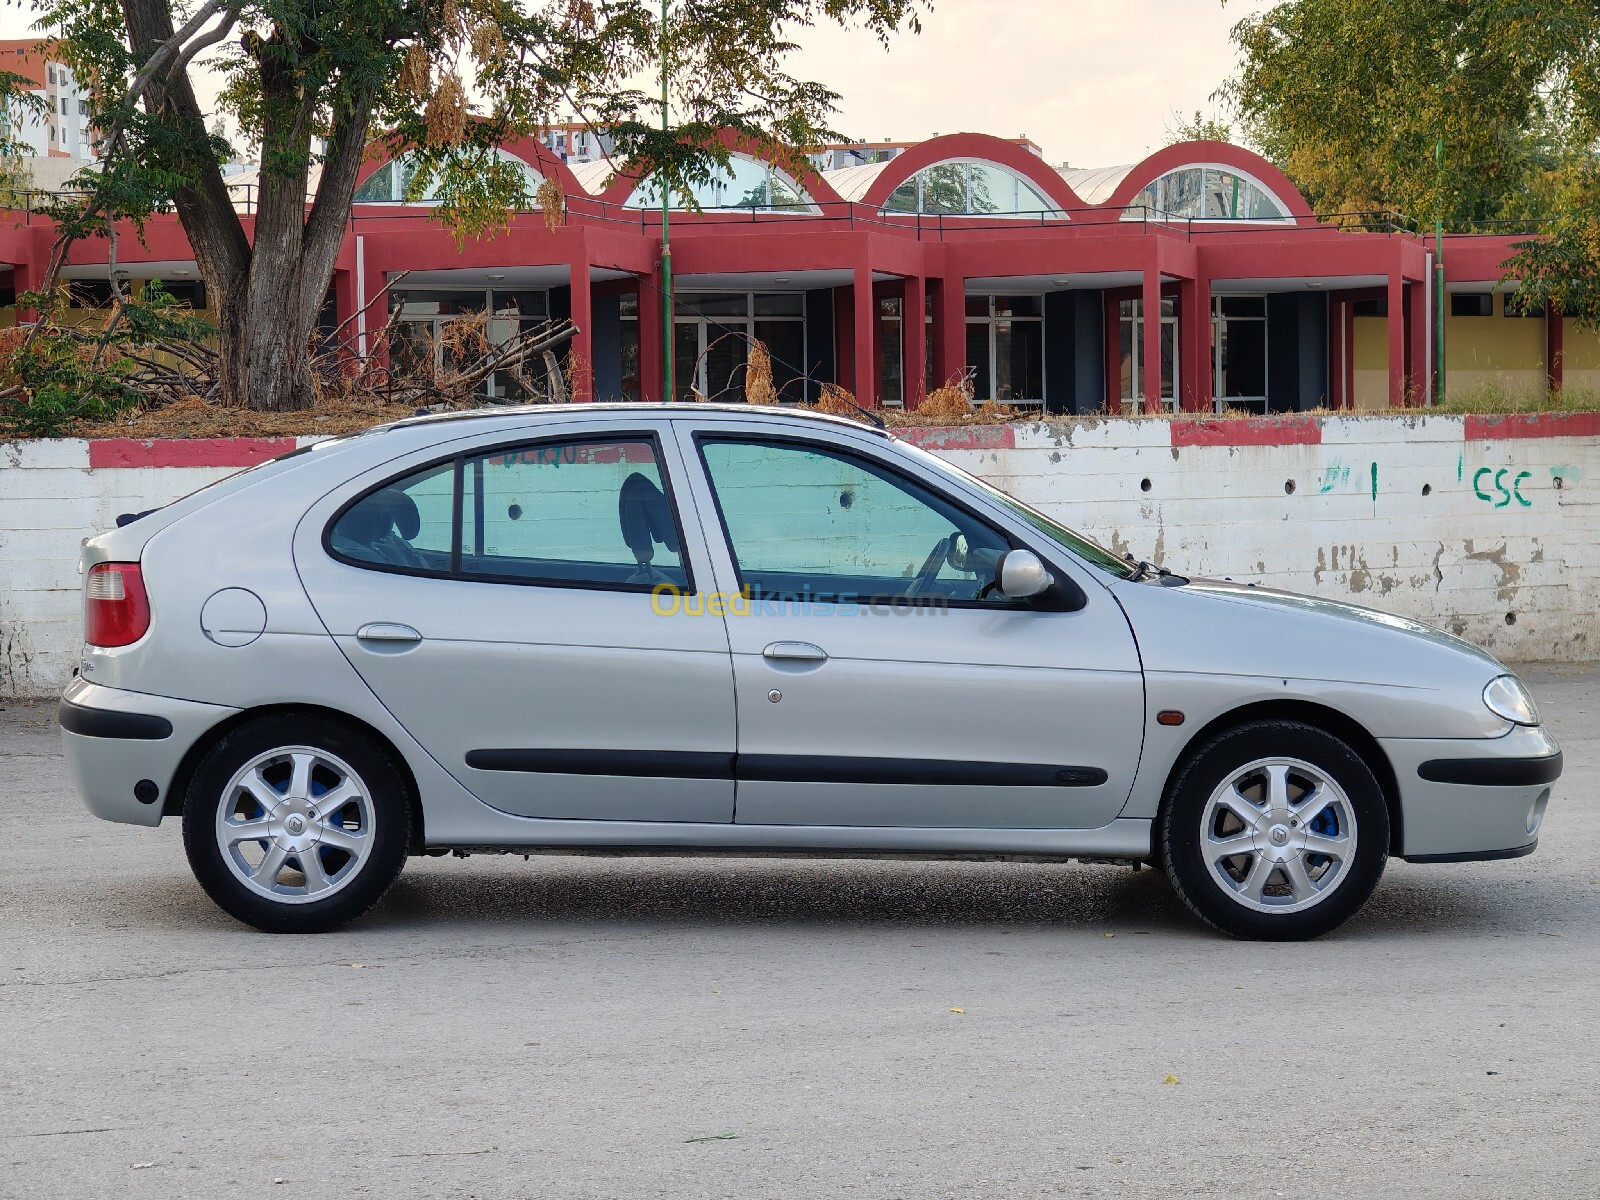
1094,82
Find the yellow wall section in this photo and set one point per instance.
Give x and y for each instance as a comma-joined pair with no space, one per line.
1369,384
1497,350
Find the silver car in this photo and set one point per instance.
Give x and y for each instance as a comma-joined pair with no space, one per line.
750,631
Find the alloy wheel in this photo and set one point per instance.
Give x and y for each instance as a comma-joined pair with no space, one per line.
295,824
1278,835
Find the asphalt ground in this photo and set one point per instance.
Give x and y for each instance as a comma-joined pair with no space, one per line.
752,1028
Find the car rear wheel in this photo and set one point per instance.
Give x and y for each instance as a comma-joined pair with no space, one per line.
296,825
1275,830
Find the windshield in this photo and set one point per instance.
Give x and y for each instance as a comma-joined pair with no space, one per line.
1091,552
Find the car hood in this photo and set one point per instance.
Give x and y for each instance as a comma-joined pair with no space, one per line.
1316,607
1218,627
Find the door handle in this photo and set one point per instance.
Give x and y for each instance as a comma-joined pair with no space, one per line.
387,631
795,652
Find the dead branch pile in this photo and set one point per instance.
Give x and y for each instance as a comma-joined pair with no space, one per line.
398,366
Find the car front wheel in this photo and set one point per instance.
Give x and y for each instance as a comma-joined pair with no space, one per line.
1275,830
296,825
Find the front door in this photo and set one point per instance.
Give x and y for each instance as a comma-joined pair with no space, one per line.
498,602
879,681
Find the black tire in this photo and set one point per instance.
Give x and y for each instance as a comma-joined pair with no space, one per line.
365,879
1182,834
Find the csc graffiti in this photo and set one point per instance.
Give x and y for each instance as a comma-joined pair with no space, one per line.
1506,492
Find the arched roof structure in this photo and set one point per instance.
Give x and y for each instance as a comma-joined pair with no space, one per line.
534,157
813,191
1251,170
874,184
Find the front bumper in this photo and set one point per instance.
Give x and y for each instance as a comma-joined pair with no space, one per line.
1464,800
123,748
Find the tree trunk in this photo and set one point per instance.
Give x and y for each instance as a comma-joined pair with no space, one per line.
266,358
269,286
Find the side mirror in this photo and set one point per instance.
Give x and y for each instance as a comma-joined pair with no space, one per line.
1021,575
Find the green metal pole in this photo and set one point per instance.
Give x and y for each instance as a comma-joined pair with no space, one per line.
1438,282
667,324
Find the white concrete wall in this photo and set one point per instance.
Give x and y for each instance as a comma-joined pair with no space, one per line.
1496,538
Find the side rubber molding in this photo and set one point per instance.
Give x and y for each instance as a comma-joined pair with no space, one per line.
103,723
632,764
1476,855
1490,772
784,768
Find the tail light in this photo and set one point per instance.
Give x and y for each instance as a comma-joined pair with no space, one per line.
116,611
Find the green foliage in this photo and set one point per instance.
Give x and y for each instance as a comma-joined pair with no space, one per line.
297,67
74,371
55,385
1491,397
311,83
1353,98
1198,128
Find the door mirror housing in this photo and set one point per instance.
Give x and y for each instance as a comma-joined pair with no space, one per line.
1021,575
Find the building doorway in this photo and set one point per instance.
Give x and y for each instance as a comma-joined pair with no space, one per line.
1131,344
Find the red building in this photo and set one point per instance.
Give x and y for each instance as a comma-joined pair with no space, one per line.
962,253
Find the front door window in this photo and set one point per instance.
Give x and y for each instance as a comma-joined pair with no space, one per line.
845,529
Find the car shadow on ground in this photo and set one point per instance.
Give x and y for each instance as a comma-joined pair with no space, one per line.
721,893
441,898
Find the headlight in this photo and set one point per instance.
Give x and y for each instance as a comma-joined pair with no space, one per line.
1506,697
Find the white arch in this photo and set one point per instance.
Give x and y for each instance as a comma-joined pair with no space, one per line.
1208,191
747,183
970,187
388,184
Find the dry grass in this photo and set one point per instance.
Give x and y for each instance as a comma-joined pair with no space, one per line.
194,418
834,400
758,387
948,405
1498,398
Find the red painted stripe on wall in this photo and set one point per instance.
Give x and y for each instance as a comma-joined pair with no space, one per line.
187,452
1248,431
960,437
1484,428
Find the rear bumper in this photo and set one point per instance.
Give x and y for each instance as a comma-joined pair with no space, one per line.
1467,800
123,748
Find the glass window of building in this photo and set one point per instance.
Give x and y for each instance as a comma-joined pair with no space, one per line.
397,182
439,330
971,188
745,183
1130,341
891,349
1206,193
1239,344
712,336
1005,348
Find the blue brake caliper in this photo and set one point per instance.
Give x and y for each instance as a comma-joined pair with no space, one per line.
1325,825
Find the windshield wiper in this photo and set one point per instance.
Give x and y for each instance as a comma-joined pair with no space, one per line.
1143,570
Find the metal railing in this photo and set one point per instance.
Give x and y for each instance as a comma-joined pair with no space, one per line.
36,205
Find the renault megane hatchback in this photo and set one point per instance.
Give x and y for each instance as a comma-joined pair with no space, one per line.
750,631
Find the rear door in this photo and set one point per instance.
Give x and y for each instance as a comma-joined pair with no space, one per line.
879,682
498,601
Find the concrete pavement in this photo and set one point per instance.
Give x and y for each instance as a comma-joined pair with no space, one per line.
564,1027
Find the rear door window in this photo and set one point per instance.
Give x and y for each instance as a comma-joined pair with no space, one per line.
576,513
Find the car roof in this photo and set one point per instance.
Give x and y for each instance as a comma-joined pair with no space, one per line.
624,410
